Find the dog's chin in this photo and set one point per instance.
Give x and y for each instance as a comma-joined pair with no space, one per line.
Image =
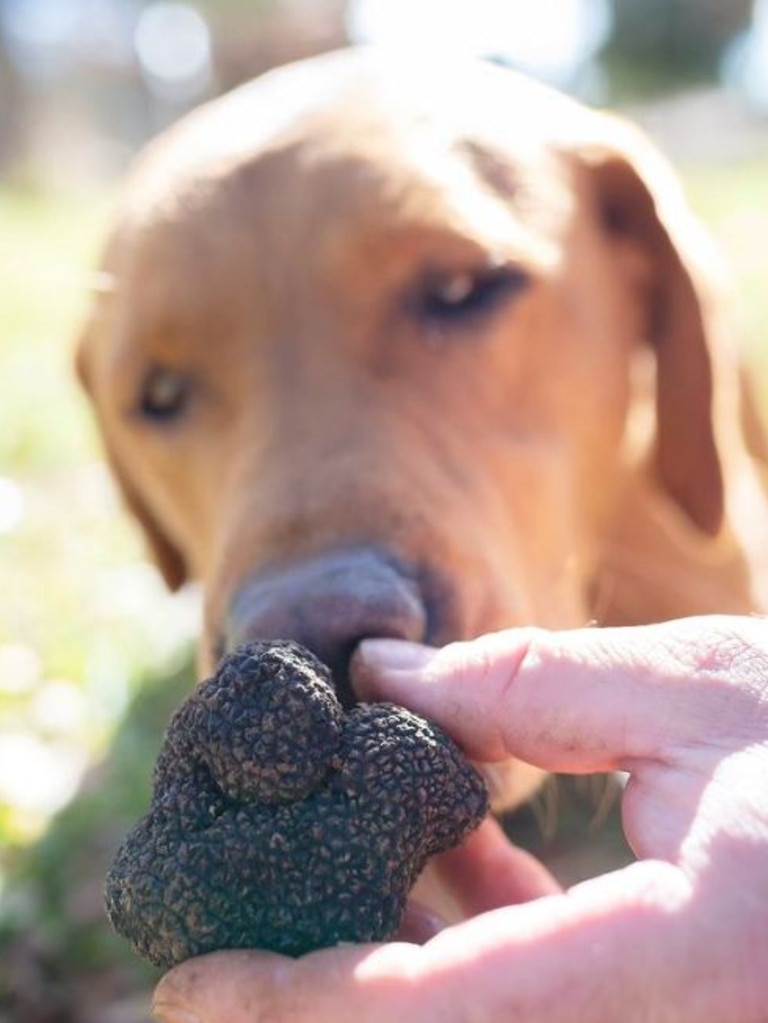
510,783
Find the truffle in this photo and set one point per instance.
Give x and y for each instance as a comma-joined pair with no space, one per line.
278,821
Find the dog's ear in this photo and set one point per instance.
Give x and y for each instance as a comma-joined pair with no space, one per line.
165,554
640,199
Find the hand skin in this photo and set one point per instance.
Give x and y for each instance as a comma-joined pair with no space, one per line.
681,935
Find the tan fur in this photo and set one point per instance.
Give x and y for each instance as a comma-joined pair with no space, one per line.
575,456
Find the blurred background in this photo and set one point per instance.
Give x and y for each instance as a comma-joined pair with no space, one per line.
93,652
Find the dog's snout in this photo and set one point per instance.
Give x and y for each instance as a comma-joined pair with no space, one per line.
329,604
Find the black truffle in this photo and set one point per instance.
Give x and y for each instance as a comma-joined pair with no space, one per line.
280,822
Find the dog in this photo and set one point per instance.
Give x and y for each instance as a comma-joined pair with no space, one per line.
423,352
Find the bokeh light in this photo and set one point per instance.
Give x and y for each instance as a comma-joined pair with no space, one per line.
12,505
553,39
173,45
745,63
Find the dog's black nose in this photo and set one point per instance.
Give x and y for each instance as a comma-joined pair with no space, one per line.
329,603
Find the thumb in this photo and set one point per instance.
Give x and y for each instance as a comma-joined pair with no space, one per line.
582,700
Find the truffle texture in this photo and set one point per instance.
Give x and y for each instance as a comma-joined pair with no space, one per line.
278,821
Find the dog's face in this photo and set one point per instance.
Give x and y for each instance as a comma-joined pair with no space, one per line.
367,364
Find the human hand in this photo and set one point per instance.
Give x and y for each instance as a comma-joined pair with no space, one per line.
680,936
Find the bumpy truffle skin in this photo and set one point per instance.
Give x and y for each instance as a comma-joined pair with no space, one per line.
280,822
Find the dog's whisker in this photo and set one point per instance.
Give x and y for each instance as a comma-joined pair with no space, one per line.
605,792
545,807
603,593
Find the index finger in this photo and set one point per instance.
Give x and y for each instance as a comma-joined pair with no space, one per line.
586,699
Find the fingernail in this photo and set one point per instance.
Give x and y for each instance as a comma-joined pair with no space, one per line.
166,1013
385,655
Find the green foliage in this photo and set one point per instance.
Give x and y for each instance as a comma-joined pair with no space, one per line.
676,40
54,935
731,199
46,249
79,604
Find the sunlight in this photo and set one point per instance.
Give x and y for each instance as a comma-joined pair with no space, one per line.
38,777
12,505
551,38
173,45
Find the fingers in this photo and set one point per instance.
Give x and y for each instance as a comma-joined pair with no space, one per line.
483,873
615,948
654,941
242,987
344,985
583,700
486,872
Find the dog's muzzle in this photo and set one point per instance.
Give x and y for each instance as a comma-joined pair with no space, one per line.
329,603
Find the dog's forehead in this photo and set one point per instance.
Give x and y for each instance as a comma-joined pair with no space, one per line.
344,152
359,105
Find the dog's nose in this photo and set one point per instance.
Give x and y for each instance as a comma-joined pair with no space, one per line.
329,603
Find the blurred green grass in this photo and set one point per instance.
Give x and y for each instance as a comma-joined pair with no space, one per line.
83,616
732,200
47,245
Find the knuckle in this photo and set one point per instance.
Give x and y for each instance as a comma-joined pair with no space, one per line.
729,649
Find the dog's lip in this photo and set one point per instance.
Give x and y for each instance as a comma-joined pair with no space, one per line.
484,873
419,924
509,782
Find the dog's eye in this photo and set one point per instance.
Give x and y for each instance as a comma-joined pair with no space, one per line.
456,297
164,394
